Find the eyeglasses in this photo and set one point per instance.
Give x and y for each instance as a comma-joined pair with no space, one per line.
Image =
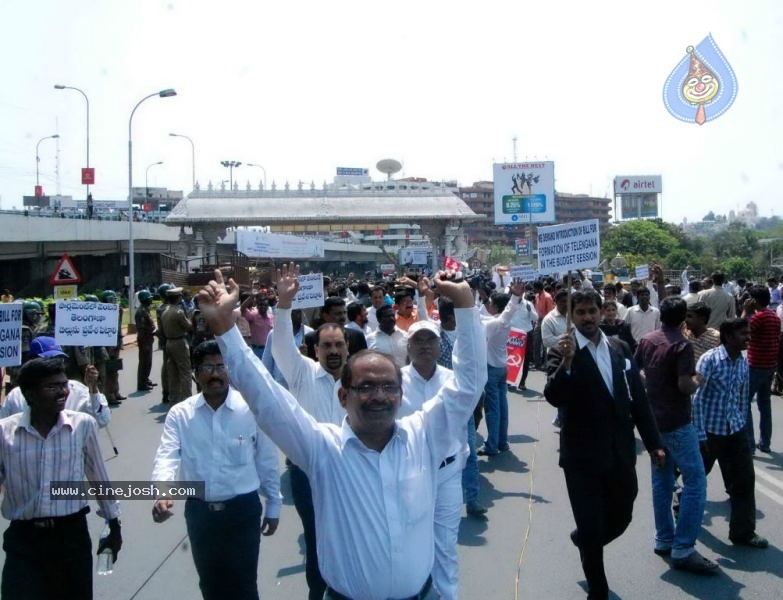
366,390
211,368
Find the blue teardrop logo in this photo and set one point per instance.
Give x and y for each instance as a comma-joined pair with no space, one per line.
702,86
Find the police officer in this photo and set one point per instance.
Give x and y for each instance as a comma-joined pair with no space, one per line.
176,325
145,338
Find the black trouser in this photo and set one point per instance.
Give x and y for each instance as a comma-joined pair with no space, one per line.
225,545
51,563
528,357
303,501
602,504
145,362
734,456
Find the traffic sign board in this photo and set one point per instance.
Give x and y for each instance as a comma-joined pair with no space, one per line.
65,272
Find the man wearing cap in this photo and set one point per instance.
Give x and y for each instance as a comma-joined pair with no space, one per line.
422,379
145,338
81,398
176,325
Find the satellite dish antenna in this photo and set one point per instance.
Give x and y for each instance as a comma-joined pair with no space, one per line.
388,166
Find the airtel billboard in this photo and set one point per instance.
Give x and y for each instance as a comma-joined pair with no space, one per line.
637,184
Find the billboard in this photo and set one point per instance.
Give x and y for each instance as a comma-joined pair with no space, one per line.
637,184
639,206
524,192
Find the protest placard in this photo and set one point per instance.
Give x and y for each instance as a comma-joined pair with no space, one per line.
311,291
86,324
274,245
516,347
569,246
10,334
643,272
523,272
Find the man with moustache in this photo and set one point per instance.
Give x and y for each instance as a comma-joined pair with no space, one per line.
373,477
213,437
593,379
335,311
315,386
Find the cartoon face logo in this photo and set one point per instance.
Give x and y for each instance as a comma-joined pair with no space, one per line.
700,89
703,80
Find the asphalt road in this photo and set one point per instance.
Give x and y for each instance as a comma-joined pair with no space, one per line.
521,550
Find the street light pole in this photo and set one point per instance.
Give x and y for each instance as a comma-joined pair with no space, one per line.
38,158
87,103
131,272
147,178
193,157
230,164
260,167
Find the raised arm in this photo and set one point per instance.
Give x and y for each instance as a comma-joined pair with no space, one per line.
277,413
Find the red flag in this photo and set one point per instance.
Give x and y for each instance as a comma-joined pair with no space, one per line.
452,264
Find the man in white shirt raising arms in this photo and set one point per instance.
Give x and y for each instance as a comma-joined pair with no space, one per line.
373,478
213,437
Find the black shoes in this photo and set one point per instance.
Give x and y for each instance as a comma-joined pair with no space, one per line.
695,563
754,541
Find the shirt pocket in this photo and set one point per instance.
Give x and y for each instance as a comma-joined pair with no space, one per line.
242,448
416,494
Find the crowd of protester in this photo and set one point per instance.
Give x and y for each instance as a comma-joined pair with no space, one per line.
405,366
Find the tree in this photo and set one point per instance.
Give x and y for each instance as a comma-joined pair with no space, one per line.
737,268
680,258
650,239
737,241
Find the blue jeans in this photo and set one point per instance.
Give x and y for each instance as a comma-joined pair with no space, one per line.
496,409
470,474
759,385
682,452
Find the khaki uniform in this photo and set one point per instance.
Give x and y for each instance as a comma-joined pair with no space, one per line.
175,326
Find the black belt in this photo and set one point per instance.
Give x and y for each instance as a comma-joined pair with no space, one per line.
52,522
333,595
448,461
223,505
257,346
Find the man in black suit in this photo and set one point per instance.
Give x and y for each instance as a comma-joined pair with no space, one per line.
593,378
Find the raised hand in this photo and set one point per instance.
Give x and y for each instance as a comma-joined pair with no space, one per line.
518,287
459,293
287,284
217,303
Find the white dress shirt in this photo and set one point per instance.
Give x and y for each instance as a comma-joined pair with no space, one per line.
269,360
600,355
523,318
29,463
312,385
79,400
374,511
223,448
395,344
416,391
643,322
497,328
553,326
372,320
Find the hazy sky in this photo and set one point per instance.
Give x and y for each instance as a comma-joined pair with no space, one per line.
304,87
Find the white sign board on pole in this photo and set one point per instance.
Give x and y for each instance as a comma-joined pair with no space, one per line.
523,272
86,324
311,291
643,272
273,245
10,334
570,246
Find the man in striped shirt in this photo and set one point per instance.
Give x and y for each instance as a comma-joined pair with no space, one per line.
47,545
763,360
701,337
720,410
